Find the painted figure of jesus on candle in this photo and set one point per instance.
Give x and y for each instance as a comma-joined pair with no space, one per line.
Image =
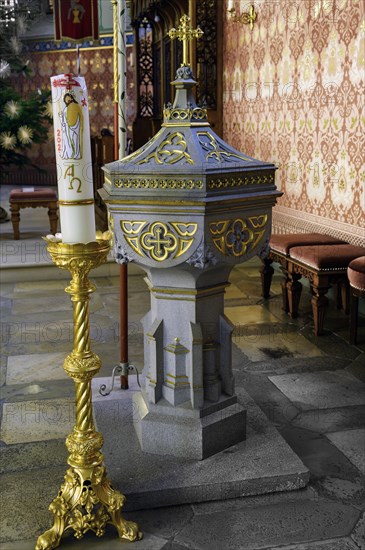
73,158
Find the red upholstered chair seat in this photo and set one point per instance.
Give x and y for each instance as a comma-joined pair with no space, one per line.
284,243
327,257
356,273
322,259
356,277
45,194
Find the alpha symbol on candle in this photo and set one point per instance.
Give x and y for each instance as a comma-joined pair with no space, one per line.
72,121
70,173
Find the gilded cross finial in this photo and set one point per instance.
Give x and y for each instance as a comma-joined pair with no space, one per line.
184,33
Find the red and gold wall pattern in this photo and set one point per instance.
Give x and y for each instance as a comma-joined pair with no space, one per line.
293,93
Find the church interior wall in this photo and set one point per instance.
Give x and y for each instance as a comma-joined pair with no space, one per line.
47,58
293,93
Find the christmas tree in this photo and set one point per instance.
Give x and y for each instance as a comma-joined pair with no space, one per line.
24,120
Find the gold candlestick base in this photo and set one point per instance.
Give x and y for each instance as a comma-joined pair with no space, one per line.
86,500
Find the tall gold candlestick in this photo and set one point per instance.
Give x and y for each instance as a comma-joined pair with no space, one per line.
86,500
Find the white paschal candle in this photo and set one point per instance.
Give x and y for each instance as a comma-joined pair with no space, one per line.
73,158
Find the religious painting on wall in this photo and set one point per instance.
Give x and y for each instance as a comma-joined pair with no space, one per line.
76,20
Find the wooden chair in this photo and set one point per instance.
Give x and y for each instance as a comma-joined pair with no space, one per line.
280,246
356,276
322,265
45,198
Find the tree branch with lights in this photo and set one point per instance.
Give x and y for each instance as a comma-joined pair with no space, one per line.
24,119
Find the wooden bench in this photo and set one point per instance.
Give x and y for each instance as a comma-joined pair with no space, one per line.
46,198
322,259
323,265
356,276
280,246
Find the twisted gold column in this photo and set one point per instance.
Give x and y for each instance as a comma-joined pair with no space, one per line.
86,500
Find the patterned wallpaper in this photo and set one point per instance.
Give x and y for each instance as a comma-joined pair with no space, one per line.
293,93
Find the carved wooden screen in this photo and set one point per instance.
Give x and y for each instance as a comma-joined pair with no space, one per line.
145,70
206,53
157,106
209,59
167,96
158,58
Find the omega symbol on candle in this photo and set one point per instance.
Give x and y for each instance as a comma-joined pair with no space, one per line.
70,173
72,123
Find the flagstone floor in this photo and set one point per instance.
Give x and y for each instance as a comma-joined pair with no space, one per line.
311,389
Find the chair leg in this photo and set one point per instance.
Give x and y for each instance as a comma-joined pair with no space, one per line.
53,218
294,290
353,317
339,296
345,297
15,219
284,293
319,305
266,277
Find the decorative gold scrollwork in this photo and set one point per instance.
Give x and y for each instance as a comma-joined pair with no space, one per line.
159,241
219,183
156,183
184,115
215,151
237,237
170,151
132,232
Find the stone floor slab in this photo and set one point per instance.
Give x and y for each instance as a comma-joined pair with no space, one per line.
37,420
24,500
248,315
332,420
262,464
37,367
26,287
30,456
321,389
332,544
330,343
258,345
56,302
107,542
42,390
164,522
233,292
263,527
22,348
352,444
358,534
271,499
347,490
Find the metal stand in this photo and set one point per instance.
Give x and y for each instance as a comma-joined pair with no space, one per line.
118,369
86,500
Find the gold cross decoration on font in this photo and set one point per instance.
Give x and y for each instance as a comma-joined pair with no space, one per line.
184,33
